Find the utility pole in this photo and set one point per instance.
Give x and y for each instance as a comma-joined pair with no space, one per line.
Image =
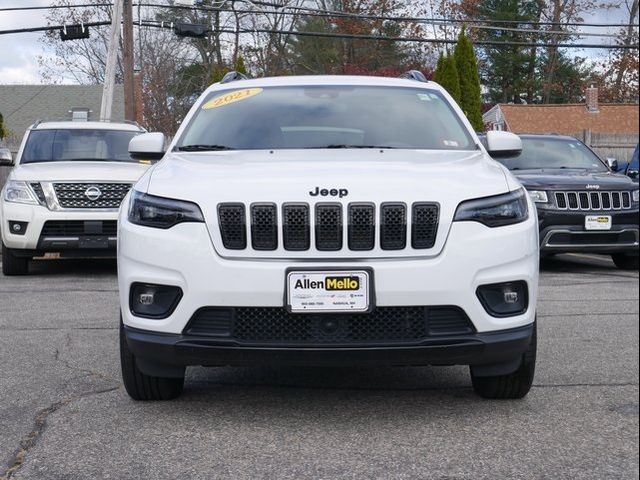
128,60
112,59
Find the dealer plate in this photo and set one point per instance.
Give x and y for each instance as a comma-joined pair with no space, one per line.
329,291
597,222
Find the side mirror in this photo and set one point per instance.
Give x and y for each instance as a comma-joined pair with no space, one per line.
503,144
6,159
147,146
612,163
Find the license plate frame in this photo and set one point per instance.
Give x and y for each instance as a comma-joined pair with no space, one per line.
598,223
93,242
364,302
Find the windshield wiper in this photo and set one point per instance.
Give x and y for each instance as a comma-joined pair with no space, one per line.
203,148
336,146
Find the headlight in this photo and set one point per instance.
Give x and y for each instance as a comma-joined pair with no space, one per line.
496,211
159,212
539,196
636,196
19,192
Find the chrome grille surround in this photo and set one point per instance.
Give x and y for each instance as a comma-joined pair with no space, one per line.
583,200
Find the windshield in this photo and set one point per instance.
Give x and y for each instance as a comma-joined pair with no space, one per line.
553,153
78,145
325,117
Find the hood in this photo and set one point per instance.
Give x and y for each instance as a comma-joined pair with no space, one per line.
292,176
289,175
79,171
578,179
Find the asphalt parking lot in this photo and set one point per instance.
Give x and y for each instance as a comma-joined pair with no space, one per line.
64,413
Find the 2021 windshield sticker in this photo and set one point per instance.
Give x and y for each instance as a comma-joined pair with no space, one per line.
231,97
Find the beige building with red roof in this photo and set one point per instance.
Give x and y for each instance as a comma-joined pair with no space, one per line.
566,119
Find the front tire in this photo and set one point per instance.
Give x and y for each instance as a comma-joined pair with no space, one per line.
624,261
13,264
514,385
145,387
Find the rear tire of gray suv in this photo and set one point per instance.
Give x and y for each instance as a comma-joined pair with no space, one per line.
145,387
513,386
625,261
12,264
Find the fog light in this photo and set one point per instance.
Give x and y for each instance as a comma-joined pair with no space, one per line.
504,299
153,301
18,228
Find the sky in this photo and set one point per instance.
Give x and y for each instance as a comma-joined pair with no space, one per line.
19,52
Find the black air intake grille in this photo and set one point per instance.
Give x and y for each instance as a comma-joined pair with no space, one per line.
91,195
233,225
329,227
393,226
362,227
264,227
385,325
295,227
425,225
77,228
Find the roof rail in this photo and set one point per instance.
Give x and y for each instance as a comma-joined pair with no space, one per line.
414,75
53,120
233,76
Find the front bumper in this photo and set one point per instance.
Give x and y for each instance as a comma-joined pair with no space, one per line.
492,353
564,232
183,256
91,241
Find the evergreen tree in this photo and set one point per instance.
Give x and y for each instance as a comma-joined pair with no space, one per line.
438,70
470,100
240,66
2,132
449,78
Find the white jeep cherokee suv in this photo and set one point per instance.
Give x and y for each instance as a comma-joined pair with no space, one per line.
327,221
65,190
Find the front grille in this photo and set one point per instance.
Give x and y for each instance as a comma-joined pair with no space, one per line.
328,227
233,226
91,195
593,201
294,227
385,325
77,228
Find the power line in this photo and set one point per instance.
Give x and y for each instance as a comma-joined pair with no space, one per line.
167,25
327,14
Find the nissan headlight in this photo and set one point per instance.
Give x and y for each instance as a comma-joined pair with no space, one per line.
160,212
19,192
496,211
538,196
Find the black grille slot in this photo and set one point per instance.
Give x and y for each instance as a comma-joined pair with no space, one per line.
606,201
362,227
77,228
37,189
393,226
329,229
264,227
561,200
626,200
91,195
425,225
573,200
584,200
295,227
397,325
233,225
617,204
595,201
214,322
448,321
